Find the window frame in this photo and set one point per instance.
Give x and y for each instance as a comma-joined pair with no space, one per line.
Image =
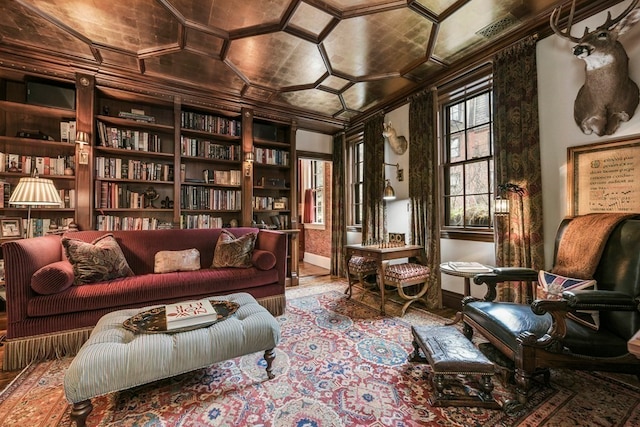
355,172
455,93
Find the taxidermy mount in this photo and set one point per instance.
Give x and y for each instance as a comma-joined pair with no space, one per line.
398,143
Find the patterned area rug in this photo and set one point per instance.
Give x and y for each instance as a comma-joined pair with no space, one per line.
339,364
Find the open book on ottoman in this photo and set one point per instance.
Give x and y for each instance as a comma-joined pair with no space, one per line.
190,313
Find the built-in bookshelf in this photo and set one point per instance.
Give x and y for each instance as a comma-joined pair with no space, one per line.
36,139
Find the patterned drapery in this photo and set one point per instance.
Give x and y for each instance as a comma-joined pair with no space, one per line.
373,222
338,203
518,237
423,187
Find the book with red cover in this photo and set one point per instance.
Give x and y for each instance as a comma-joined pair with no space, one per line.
189,313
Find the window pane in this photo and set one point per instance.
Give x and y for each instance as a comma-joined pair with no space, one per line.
454,209
456,118
476,177
479,110
480,141
456,147
477,211
454,181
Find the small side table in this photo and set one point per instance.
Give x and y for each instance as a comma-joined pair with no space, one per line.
467,271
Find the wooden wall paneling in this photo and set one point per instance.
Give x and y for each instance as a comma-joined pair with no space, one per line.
85,107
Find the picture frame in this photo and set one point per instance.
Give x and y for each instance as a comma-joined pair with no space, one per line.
604,177
10,228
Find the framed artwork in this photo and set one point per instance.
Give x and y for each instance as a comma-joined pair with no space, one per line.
10,228
604,177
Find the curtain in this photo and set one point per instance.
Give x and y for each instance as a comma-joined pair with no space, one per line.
423,187
338,203
309,207
373,221
518,237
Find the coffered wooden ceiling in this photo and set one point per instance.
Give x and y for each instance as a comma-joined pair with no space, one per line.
327,60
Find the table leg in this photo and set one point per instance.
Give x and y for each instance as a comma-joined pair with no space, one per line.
381,283
467,286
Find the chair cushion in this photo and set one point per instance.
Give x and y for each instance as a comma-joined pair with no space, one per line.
361,264
554,284
98,261
405,271
234,252
169,261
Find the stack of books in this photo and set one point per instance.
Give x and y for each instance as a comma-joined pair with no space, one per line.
190,313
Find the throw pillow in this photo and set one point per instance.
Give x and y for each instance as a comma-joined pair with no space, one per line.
168,261
554,284
263,260
233,252
97,261
52,278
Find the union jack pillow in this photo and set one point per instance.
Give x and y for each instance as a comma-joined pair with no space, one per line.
552,285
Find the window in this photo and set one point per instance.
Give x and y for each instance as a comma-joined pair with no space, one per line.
314,191
467,157
356,179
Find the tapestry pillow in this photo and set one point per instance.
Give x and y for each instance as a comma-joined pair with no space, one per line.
52,278
554,284
233,252
169,261
97,261
263,260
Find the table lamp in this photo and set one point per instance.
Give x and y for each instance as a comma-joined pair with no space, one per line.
35,191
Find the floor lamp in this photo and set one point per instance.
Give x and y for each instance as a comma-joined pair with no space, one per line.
34,191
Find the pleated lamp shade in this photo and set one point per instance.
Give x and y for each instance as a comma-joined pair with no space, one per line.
35,191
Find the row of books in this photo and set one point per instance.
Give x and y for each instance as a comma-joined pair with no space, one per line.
269,203
68,197
201,148
117,168
112,195
128,139
26,164
211,124
271,156
111,223
199,197
68,131
220,177
200,221
41,226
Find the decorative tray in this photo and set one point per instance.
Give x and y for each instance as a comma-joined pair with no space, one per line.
154,321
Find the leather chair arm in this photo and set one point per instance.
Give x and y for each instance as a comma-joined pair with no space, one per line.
599,300
504,274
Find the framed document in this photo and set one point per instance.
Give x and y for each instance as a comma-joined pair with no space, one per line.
604,177
10,228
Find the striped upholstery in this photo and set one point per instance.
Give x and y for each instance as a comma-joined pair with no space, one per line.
116,359
362,265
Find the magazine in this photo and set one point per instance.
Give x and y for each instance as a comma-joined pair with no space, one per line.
470,267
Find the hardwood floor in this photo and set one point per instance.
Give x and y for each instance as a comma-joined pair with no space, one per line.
5,376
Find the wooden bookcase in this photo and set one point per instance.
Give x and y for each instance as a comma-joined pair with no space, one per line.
30,138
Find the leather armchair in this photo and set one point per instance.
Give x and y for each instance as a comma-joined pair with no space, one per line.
540,336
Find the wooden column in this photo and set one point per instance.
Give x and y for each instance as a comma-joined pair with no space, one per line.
85,107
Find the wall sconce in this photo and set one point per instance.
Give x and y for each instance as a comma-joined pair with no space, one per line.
389,193
501,206
82,138
249,158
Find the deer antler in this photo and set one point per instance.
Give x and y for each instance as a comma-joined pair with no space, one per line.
611,22
555,19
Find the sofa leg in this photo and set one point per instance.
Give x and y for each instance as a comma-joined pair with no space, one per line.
269,355
80,412
523,384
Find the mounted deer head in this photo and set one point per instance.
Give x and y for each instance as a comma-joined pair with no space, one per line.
608,95
398,143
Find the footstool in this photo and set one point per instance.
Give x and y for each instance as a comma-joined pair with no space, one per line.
114,358
451,353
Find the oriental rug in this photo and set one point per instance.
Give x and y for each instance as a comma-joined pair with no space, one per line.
340,363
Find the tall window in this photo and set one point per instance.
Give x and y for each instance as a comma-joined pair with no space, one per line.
467,137
356,162
314,191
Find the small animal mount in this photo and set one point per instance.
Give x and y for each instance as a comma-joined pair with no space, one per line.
398,143
608,96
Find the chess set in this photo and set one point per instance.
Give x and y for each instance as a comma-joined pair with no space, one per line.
395,240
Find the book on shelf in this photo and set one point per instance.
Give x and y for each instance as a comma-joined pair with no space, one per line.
190,313
469,266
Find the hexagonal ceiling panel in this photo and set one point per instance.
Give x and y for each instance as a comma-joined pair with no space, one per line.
324,60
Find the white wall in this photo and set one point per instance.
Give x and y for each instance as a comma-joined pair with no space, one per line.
314,142
560,76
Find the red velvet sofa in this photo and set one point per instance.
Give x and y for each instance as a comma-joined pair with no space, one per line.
41,326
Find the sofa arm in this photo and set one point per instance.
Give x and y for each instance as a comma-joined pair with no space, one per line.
275,242
504,274
22,258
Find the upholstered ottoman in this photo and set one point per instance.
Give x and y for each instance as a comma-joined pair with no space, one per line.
405,275
115,358
360,267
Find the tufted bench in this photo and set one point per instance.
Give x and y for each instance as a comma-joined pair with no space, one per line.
361,267
115,359
408,274
451,353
